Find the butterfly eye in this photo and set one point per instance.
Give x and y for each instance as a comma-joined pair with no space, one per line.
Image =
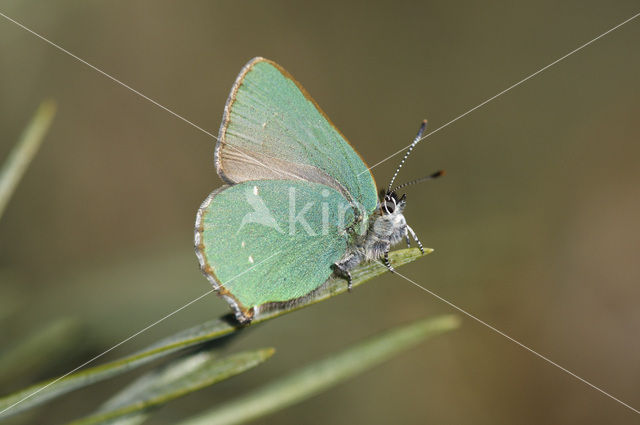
389,205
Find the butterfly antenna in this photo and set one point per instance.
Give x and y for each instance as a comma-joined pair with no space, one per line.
406,155
420,180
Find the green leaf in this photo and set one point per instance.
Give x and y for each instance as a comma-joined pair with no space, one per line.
21,155
44,391
176,379
319,376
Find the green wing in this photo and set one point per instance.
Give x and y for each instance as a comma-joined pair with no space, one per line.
273,129
255,249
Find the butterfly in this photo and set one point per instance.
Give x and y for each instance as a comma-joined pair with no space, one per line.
299,204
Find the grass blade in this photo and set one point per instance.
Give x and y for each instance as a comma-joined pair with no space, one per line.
21,155
175,380
317,377
44,391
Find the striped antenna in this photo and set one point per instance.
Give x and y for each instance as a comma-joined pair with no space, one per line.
413,144
420,180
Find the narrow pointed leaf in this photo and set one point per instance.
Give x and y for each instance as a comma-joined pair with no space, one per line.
44,391
19,158
317,377
177,379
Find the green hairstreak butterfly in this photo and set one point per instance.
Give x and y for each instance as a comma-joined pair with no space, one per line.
299,203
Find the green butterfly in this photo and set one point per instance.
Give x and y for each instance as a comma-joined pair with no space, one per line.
299,204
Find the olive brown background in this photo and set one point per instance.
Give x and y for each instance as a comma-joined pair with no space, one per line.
535,226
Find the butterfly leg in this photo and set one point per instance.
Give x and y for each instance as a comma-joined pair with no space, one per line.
387,262
408,240
344,273
415,238
349,280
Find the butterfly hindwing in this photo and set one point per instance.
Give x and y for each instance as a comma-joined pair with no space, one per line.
270,240
272,129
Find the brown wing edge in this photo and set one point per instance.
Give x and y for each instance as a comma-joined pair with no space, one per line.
243,314
226,117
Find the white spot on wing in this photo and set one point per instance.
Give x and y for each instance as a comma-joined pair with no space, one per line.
242,244
255,190
251,259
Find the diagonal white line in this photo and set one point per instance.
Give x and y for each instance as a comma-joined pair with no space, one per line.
114,79
375,165
532,351
133,336
508,89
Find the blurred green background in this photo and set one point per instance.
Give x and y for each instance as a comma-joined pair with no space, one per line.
535,226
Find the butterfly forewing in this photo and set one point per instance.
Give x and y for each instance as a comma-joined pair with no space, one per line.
272,129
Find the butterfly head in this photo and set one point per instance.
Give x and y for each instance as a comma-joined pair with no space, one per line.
391,203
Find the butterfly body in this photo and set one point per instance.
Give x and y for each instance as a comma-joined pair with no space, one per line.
299,205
